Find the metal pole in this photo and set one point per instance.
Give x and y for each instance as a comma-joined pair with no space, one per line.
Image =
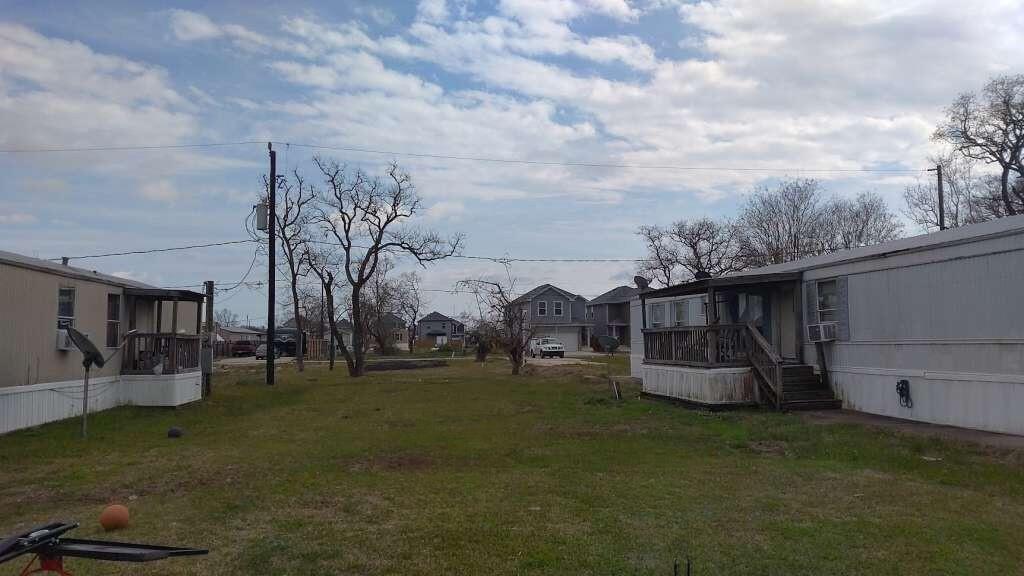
942,199
85,404
271,232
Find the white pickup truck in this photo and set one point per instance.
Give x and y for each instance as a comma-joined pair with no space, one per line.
544,347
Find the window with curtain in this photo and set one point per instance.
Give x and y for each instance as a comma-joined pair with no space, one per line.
65,307
828,300
113,320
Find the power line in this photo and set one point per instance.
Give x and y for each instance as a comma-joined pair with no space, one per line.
594,164
155,250
140,148
434,156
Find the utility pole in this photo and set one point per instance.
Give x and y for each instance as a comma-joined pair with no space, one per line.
271,249
208,346
942,198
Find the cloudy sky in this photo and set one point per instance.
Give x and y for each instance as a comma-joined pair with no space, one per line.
825,89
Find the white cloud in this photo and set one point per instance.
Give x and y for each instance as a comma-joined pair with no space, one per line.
190,26
15,218
434,11
160,191
446,210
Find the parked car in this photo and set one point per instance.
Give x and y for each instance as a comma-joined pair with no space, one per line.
243,348
544,347
261,352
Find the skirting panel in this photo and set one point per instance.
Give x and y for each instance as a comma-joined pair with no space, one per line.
981,401
27,406
715,386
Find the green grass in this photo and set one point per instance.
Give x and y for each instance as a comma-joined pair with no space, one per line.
467,470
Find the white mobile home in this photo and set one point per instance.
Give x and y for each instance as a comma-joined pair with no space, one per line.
927,328
41,371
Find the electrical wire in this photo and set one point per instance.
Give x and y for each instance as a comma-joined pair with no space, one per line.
141,148
155,250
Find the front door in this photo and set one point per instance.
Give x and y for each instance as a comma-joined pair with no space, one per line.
788,334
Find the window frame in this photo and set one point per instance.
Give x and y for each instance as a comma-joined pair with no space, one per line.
542,308
557,308
114,323
834,310
74,300
660,306
678,305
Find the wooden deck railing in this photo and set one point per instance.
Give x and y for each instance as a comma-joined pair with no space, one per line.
767,365
175,353
700,346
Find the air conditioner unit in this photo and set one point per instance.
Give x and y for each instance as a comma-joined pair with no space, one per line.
63,340
821,332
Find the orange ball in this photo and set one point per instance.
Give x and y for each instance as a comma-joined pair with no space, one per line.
114,517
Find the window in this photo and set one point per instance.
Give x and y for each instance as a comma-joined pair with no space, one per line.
827,301
657,315
542,308
679,312
557,307
113,320
590,312
65,307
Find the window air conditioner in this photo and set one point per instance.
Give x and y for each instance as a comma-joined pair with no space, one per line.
821,332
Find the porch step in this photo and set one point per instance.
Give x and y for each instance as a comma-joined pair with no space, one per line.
797,370
807,394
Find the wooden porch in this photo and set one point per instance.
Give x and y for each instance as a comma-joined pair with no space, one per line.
158,346
161,353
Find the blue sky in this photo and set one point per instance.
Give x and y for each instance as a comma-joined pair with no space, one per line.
787,87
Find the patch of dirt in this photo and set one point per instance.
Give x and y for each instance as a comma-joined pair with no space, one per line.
391,463
768,447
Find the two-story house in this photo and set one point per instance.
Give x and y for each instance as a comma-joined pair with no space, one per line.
609,313
556,313
439,329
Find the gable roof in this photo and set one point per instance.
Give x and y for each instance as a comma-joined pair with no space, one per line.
438,317
543,288
615,296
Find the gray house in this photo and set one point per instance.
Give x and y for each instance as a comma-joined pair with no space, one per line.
439,329
556,313
609,313
924,328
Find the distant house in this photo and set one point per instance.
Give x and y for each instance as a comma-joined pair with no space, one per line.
556,313
609,313
393,325
438,329
41,371
925,328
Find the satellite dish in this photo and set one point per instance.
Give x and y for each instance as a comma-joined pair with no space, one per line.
701,275
641,282
91,355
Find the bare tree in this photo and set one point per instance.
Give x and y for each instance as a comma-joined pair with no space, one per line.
292,219
368,219
410,303
967,196
225,317
325,262
502,320
663,259
707,246
989,127
860,221
379,304
782,224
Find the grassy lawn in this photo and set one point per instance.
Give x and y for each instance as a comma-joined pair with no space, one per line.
466,470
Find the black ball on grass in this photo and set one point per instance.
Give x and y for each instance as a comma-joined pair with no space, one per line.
174,432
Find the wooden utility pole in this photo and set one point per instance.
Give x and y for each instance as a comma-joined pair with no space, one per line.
211,341
271,233
942,196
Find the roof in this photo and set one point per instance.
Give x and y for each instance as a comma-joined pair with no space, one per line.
240,330
543,288
963,234
438,317
788,271
615,296
131,286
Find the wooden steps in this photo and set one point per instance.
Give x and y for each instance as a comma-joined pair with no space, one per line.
802,389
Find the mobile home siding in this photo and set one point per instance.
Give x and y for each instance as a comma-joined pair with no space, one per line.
947,320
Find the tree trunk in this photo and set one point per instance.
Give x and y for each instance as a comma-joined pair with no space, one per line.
356,369
1004,189
299,339
333,324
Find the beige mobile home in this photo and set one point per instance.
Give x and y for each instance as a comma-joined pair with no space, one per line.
927,328
41,371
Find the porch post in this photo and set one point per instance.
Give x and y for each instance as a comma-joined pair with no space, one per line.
174,335
159,315
713,326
